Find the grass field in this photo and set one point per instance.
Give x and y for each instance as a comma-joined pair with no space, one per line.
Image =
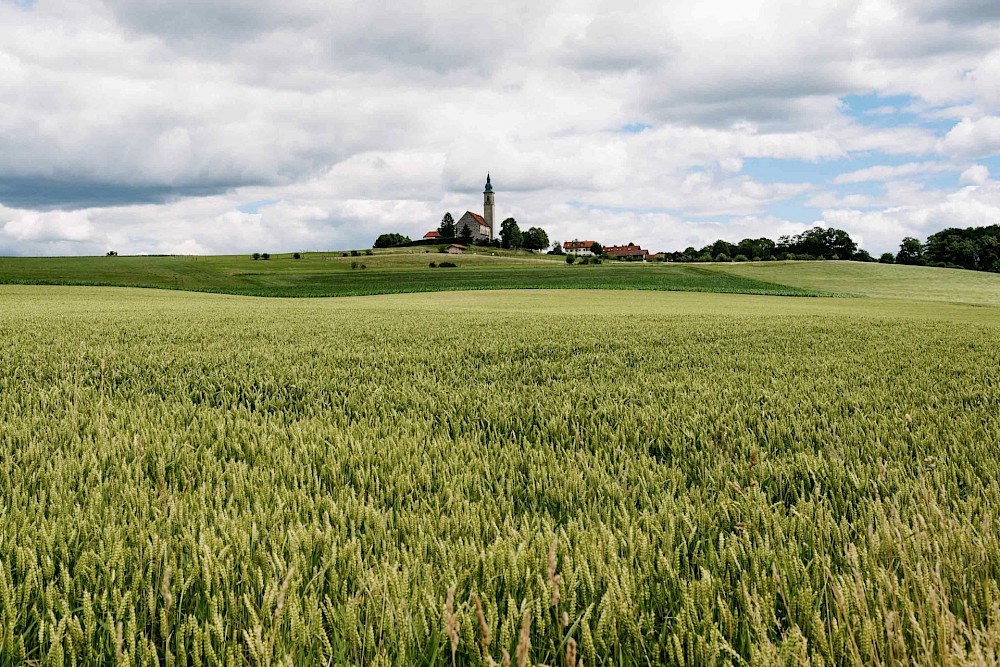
386,272
406,270
196,479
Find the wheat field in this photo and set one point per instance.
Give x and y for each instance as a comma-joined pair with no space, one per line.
556,478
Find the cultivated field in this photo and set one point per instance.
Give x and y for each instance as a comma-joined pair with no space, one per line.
194,479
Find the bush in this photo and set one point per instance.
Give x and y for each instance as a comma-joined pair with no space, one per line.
570,259
355,253
364,266
722,257
369,252
354,265
887,258
343,254
740,258
772,258
265,255
296,255
447,265
111,253
256,256
432,265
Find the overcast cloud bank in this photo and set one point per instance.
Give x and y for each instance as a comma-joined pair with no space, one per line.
233,126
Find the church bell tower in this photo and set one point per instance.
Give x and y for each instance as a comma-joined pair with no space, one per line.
488,207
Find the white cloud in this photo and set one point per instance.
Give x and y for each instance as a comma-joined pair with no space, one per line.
973,138
977,174
156,120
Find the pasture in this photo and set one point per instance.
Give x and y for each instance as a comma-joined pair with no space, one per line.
194,479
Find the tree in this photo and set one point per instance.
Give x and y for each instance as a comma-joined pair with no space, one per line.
390,240
447,227
265,255
510,234
536,239
597,248
297,255
570,259
466,233
556,249
256,256
111,253
887,258
911,251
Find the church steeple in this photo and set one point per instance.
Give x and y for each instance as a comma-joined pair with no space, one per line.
488,207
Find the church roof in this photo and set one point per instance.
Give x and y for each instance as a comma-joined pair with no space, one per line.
478,218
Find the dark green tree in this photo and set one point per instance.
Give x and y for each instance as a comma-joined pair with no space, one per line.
390,240
447,227
536,239
466,233
887,258
597,249
510,234
911,251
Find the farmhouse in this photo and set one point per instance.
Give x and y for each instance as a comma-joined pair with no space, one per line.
579,248
629,252
433,234
456,249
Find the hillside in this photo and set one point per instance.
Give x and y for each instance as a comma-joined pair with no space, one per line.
386,272
407,270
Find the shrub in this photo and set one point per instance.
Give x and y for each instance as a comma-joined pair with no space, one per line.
887,258
364,266
355,253
111,253
354,265
433,265
296,255
722,257
265,255
570,259
447,265
740,258
343,254
256,256
369,252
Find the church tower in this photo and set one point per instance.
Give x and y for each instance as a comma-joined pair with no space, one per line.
488,207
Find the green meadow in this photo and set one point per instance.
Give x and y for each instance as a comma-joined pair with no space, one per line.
384,272
558,476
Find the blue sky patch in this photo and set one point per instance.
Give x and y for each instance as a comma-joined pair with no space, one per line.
256,206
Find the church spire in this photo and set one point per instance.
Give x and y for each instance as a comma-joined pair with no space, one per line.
489,186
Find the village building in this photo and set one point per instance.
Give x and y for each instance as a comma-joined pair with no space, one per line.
456,249
481,227
629,252
579,248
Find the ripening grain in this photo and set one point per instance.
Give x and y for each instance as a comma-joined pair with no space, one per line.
189,479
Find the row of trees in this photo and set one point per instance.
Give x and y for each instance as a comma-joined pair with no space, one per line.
815,243
973,248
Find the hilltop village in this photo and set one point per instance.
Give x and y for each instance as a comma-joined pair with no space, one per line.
474,229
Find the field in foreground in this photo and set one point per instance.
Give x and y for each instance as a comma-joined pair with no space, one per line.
194,479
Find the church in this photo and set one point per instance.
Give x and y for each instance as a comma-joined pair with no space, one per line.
480,226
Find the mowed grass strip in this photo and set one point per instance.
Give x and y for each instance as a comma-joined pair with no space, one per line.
385,272
195,479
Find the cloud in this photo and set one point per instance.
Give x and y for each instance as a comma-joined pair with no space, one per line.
157,120
977,174
973,138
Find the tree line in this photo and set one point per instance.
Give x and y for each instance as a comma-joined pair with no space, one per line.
510,236
973,248
815,243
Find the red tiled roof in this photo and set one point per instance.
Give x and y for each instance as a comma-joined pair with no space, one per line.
576,245
480,219
431,235
456,245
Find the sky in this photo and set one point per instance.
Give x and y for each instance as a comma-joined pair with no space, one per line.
235,126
